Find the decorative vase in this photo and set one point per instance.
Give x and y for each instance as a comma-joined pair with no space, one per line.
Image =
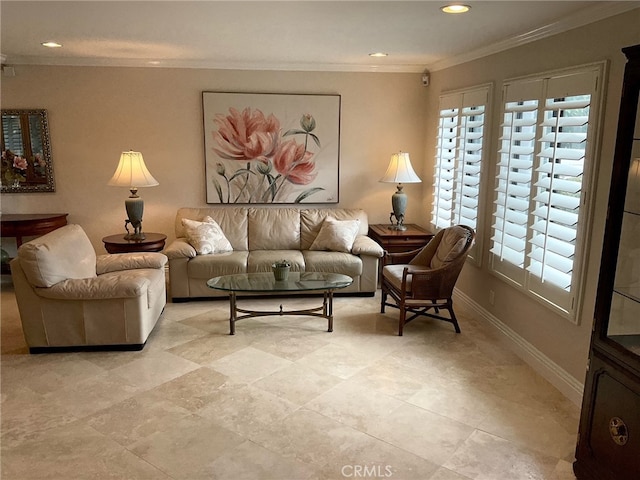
281,271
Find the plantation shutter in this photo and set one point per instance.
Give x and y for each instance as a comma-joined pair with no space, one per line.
559,185
443,187
459,156
539,203
514,177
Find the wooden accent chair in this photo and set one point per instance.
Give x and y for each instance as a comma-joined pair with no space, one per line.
423,279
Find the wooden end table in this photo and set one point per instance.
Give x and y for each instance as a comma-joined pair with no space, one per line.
154,242
395,241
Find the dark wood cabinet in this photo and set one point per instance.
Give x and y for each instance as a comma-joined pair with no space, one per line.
609,438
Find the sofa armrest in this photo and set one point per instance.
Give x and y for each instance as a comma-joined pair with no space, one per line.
130,284
129,261
364,245
180,248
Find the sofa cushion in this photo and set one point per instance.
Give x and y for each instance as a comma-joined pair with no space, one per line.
274,229
216,264
206,236
57,256
262,260
336,235
333,262
232,221
311,221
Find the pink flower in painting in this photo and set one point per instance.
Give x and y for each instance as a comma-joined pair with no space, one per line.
20,163
246,135
294,163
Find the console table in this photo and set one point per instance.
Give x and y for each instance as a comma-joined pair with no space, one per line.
21,225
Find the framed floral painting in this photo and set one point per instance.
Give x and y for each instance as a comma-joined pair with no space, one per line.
271,148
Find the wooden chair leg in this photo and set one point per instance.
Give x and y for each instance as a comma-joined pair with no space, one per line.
402,319
383,299
454,320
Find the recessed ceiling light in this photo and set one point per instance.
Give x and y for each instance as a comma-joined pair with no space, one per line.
51,44
455,8
378,54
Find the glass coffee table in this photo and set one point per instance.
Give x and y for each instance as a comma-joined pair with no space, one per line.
264,283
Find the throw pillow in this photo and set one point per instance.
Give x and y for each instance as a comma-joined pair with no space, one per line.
206,236
336,235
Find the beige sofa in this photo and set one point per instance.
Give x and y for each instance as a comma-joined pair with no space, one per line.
69,298
261,236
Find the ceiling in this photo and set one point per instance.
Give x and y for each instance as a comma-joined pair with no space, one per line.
285,35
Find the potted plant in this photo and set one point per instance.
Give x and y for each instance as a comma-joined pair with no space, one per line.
281,270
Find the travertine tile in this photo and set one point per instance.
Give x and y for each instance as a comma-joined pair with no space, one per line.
193,390
249,461
429,435
137,418
297,383
283,399
188,450
486,457
353,405
246,410
75,451
249,364
153,369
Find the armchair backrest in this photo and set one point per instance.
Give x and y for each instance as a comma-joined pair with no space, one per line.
59,255
448,245
447,251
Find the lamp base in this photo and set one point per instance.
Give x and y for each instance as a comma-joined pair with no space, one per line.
398,227
136,237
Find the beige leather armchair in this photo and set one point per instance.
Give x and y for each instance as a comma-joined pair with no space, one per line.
69,298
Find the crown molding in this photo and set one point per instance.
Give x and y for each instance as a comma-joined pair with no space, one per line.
599,11
586,16
204,64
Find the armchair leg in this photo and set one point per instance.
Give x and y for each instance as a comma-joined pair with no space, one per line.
454,320
402,320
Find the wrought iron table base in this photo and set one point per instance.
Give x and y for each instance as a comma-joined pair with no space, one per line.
324,311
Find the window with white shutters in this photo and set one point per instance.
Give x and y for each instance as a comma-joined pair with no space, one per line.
541,201
458,162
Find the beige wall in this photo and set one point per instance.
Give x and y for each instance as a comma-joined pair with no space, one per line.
565,343
96,113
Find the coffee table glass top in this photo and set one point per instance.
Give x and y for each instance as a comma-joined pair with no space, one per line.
266,282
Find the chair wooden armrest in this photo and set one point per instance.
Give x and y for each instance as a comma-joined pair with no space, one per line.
399,257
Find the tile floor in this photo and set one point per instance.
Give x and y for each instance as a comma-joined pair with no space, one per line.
283,400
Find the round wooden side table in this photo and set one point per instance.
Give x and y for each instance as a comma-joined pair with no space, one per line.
154,242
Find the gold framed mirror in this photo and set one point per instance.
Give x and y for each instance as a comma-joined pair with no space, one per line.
26,152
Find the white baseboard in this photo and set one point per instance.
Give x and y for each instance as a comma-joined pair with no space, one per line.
551,371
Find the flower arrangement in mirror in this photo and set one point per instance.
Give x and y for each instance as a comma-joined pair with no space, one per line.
14,169
273,160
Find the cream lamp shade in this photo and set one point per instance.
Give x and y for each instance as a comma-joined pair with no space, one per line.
133,174
399,171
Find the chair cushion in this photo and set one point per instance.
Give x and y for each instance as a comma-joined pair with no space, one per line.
393,273
451,246
336,235
57,256
206,236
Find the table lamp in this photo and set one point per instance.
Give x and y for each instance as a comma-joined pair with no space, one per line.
133,173
400,171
